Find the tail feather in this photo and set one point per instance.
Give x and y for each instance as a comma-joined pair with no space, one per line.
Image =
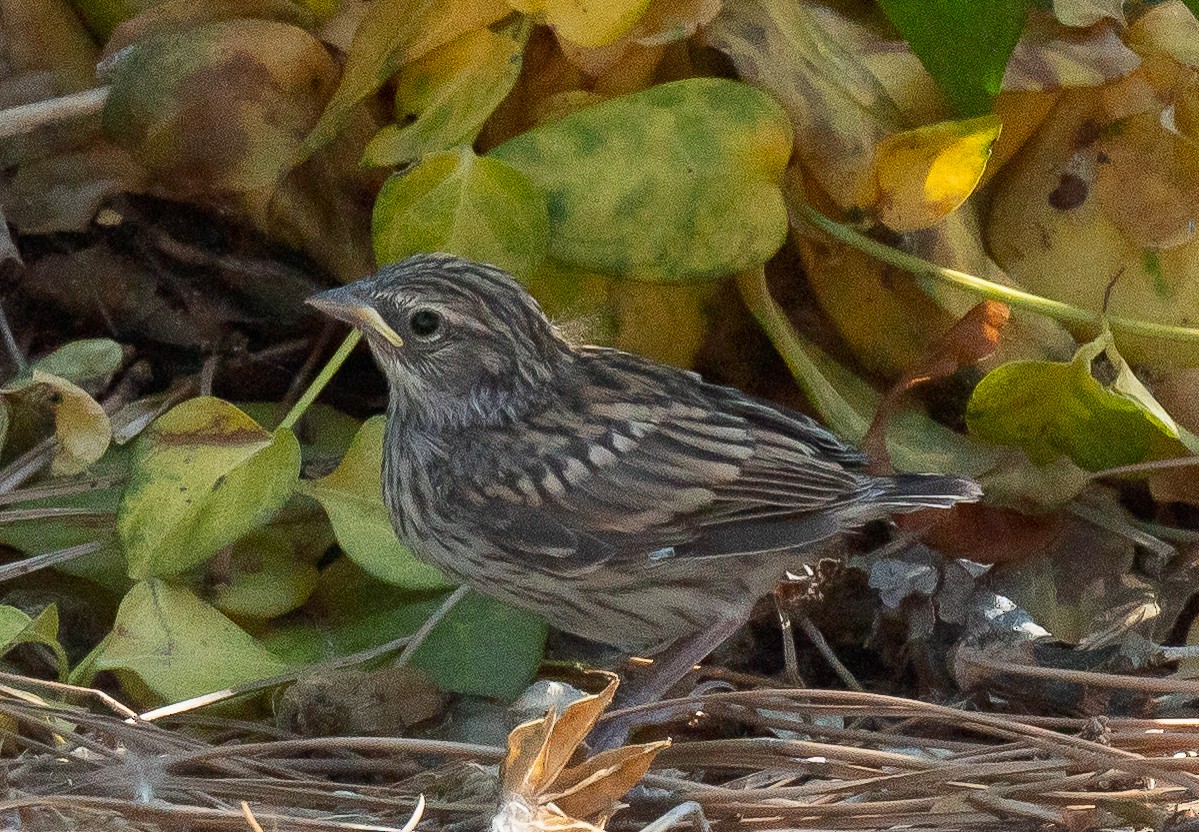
911,492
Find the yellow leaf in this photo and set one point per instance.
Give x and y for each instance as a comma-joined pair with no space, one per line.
391,35
590,23
925,173
1147,182
80,423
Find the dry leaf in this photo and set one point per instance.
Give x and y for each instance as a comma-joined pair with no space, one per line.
1050,57
540,793
969,341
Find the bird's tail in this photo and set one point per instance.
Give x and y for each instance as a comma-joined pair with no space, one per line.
911,492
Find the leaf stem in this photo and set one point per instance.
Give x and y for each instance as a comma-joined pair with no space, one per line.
1055,309
838,413
322,379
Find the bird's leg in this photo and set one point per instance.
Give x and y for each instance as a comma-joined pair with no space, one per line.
671,665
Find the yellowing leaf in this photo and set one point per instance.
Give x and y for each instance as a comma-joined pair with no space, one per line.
176,645
203,475
1087,12
353,497
925,173
390,35
1044,60
588,23
1147,182
677,182
443,99
1169,28
472,206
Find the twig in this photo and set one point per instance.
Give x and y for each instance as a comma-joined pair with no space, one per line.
418,638
58,489
1142,684
28,464
817,638
21,515
1119,526
249,816
29,565
63,687
27,117
790,659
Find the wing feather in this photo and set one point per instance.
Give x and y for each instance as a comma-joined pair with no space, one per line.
649,460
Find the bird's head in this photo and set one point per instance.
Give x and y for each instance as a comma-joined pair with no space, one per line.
460,342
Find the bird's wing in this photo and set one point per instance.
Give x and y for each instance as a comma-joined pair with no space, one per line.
635,471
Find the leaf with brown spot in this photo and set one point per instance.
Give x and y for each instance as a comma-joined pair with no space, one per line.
221,106
202,476
1147,182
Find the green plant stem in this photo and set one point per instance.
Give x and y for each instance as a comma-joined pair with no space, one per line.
838,413
1055,309
322,379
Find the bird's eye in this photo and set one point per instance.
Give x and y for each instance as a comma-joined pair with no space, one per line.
424,323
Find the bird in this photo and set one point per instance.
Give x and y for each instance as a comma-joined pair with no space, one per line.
624,500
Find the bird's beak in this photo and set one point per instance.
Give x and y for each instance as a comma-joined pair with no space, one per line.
347,305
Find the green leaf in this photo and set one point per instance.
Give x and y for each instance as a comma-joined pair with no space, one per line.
964,44
352,495
265,578
443,99
81,362
1053,409
390,35
472,206
483,647
176,645
203,475
219,106
676,182
16,627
